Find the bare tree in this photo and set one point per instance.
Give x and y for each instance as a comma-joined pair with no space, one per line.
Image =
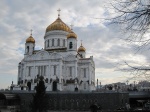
134,17
139,72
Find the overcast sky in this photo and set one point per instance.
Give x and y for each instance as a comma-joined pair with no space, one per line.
102,40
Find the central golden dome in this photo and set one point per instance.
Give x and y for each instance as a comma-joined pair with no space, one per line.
58,24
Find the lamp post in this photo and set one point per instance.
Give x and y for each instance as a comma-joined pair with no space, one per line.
100,84
97,84
127,84
134,83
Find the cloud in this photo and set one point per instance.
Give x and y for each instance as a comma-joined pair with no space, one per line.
100,39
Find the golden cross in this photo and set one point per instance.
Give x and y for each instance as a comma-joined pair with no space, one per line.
71,26
59,12
81,42
31,32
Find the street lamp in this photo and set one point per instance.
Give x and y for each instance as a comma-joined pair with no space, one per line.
100,84
97,84
127,82
127,85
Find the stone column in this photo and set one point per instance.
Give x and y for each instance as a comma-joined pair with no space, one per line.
36,71
46,70
60,75
60,70
19,73
89,74
27,71
76,72
48,73
25,74
49,69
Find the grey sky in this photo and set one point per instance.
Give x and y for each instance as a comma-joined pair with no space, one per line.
100,39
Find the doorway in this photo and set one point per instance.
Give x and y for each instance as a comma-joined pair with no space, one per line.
29,85
54,86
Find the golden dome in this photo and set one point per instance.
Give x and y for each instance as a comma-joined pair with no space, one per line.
30,39
71,35
58,24
81,49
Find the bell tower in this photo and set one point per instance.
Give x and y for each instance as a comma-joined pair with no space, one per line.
72,41
81,51
29,45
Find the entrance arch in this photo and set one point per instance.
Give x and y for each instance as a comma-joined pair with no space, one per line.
54,86
29,85
22,88
76,89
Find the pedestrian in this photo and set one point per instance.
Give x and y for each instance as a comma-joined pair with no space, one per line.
127,106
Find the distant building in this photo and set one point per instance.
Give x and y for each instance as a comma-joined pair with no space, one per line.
119,86
143,86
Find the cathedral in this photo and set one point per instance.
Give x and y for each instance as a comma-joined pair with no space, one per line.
63,66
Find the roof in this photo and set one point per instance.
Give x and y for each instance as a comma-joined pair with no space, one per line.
84,58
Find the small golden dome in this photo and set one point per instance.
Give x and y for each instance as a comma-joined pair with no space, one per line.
81,49
71,35
58,24
30,39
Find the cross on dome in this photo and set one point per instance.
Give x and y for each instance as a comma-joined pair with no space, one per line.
71,26
31,32
81,42
30,39
59,12
81,48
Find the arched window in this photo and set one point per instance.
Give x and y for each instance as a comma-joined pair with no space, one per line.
70,70
29,71
84,85
52,42
27,49
84,72
81,55
70,45
64,42
45,44
54,69
48,43
58,42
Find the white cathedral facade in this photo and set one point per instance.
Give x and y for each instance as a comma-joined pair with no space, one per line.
60,63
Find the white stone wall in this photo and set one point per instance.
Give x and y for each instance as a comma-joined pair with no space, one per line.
62,69
29,48
66,64
83,54
55,35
